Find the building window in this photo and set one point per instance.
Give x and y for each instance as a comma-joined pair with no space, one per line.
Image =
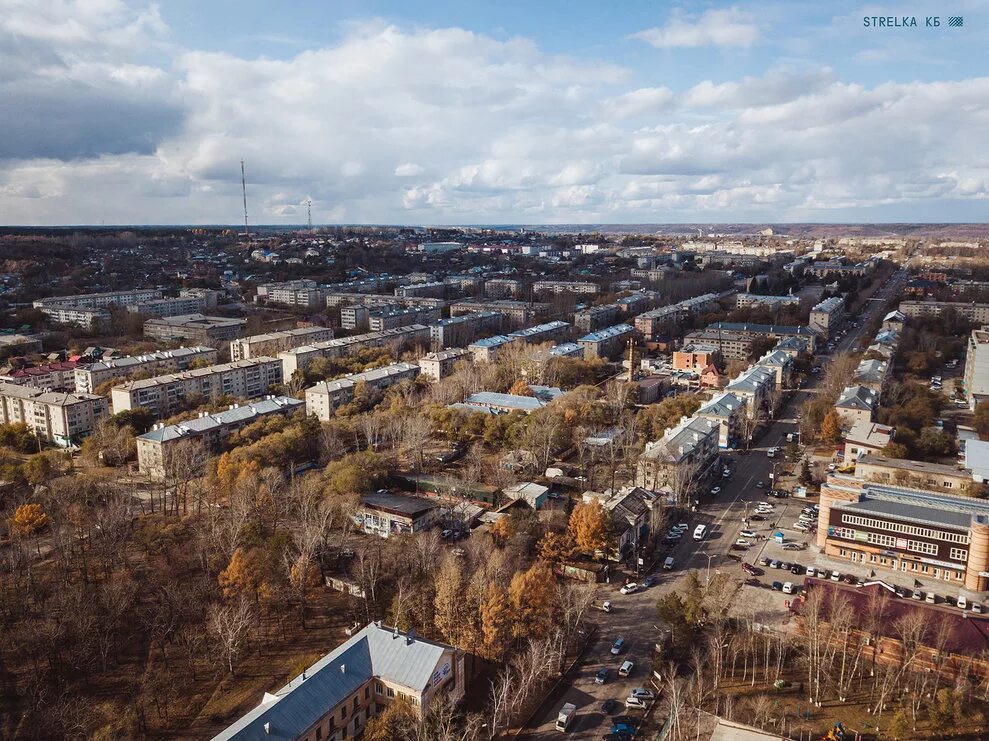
958,554
367,692
930,549
391,692
319,734
379,689
355,705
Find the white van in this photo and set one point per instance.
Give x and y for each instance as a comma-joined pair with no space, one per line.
626,669
962,603
668,564
699,532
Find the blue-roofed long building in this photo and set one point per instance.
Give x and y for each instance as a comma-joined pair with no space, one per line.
334,698
550,331
491,402
488,349
207,430
606,343
324,398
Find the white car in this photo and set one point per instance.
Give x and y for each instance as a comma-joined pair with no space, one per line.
634,702
743,542
642,693
715,490
630,588
801,527
747,533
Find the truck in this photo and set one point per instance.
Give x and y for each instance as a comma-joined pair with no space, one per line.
566,716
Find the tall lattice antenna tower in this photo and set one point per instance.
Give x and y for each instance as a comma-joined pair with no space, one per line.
243,187
309,213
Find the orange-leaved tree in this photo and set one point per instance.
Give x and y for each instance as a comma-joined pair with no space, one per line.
28,520
590,527
534,601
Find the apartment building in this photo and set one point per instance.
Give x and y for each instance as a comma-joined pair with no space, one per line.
856,404
59,376
735,339
334,698
488,349
165,395
548,332
652,323
826,316
930,535
162,307
567,350
606,343
978,313
336,298
299,357
272,343
781,363
381,319
95,318
637,303
695,357
101,300
459,331
872,374
977,367
728,410
686,454
58,417
196,328
434,289
502,288
832,269
744,300
302,294
756,385
516,313
597,317
560,287
438,365
155,447
87,378
324,398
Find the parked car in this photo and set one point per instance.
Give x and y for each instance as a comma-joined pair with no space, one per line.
601,677
617,647
797,569
788,587
930,598
743,542
629,588
811,571
774,563
917,594
648,581
760,484
634,702
962,603
626,669
750,569
715,490
835,576
608,706
777,586
757,518
764,561
748,533
643,693
606,606
794,546
976,607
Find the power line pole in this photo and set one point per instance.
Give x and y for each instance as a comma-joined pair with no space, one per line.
243,185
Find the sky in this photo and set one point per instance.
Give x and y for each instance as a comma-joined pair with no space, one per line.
463,112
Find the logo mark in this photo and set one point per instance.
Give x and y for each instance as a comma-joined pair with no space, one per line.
956,21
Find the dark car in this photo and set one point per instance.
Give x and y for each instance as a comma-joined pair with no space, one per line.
777,586
648,581
797,569
601,677
624,720
608,706
756,518
764,561
617,737
785,565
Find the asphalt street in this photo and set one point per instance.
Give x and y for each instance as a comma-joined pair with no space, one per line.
634,616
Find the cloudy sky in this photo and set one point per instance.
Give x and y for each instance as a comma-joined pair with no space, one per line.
461,111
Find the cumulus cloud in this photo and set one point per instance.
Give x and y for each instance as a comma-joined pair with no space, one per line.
729,27
395,124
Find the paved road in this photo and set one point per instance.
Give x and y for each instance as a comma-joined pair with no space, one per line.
634,616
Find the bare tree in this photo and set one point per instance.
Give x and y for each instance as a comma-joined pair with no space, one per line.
230,626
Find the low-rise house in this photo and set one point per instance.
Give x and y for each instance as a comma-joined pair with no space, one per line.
867,438
872,374
915,474
535,495
57,376
386,514
334,698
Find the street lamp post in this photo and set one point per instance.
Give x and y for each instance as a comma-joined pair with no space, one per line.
709,557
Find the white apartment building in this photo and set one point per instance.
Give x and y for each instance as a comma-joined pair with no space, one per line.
977,367
557,287
458,331
304,294
438,365
299,357
59,417
324,398
827,315
163,395
210,430
169,306
272,343
89,377
89,309
978,313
